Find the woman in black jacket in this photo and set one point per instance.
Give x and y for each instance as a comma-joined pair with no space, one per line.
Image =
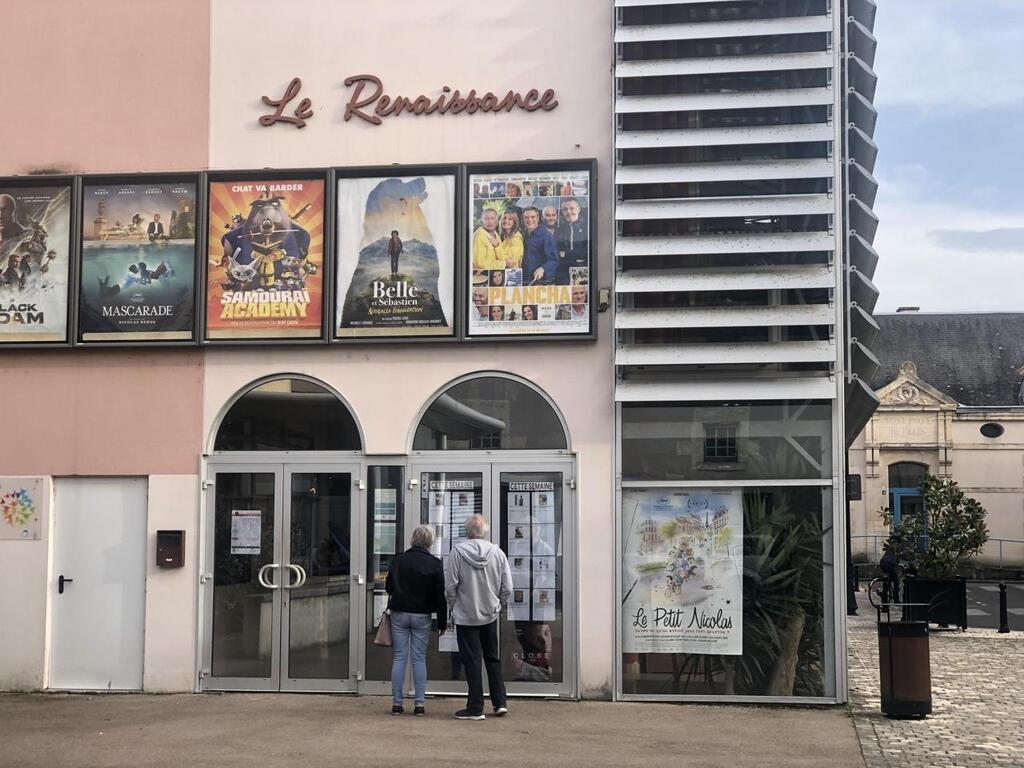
415,584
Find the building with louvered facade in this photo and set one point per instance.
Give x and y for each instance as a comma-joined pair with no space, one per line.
743,265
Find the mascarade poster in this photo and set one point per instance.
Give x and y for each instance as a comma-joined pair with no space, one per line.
682,575
265,263
35,227
138,261
530,253
396,256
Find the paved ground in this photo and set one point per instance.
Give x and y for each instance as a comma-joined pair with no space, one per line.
983,606
977,701
251,730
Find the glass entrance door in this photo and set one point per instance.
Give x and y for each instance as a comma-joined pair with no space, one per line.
527,507
280,601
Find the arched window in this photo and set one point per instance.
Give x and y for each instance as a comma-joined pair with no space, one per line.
490,413
907,474
288,415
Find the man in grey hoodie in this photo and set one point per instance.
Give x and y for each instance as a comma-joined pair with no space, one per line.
477,586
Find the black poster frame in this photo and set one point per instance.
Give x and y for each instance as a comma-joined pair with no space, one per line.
322,175
113,179
521,167
73,183
394,171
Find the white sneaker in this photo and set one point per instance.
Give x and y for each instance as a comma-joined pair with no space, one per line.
500,711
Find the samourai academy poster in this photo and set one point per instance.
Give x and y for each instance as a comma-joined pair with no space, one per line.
138,261
35,239
682,576
264,272
396,256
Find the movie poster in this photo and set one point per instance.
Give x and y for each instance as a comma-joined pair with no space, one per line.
682,571
35,233
265,263
530,260
138,262
396,256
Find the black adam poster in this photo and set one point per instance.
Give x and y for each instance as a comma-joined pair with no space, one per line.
35,234
138,262
396,256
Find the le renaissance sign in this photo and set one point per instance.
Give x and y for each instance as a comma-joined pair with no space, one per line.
368,101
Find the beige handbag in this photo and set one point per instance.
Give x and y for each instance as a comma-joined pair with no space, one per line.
383,636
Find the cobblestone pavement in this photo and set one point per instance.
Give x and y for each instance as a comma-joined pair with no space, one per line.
977,716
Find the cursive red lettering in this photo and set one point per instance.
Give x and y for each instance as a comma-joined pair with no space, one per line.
548,100
355,103
302,112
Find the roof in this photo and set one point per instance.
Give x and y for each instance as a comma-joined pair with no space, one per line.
974,358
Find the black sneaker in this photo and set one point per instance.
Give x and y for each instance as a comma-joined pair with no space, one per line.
419,711
396,709
500,711
465,714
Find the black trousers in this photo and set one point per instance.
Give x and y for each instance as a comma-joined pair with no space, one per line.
476,645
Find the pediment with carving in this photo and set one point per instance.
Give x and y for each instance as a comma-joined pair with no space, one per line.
910,391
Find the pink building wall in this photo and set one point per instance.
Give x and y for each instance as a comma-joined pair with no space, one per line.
116,85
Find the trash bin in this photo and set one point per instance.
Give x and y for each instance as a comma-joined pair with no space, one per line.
905,668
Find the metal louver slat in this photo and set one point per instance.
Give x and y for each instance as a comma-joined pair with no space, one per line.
862,148
722,279
863,326
862,255
727,354
861,112
790,97
708,137
716,207
722,64
862,290
861,77
707,30
725,317
861,42
707,244
862,219
863,11
717,390
746,171
862,362
861,402
863,185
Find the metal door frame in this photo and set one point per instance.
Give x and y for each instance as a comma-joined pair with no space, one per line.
207,681
491,464
280,463
357,539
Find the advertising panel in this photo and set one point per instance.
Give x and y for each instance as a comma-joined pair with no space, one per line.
138,261
530,258
396,256
264,274
682,571
35,238
23,502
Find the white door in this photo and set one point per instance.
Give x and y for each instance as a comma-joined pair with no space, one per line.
99,583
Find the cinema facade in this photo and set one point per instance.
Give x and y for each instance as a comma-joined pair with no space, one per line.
257,327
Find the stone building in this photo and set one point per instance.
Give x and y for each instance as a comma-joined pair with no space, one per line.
951,404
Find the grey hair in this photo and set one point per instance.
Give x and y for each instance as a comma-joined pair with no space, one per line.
423,536
476,527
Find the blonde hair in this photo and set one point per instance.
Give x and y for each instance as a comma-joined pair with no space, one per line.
423,536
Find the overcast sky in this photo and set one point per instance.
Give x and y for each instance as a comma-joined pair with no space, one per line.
951,154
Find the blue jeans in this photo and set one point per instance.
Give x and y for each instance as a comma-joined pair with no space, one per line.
409,630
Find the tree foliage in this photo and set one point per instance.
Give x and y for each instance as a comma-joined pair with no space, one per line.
952,529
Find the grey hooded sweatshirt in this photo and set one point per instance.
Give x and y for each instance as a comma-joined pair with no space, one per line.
477,582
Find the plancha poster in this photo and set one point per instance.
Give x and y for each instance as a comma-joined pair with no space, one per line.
35,236
264,276
682,577
396,256
530,260
138,261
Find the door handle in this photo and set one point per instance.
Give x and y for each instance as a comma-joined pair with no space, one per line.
300,574
61,581
261,576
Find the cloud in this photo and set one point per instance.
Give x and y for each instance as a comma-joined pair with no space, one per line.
949,54
1002,240
954,272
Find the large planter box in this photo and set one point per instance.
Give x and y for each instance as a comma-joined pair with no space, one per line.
945,599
